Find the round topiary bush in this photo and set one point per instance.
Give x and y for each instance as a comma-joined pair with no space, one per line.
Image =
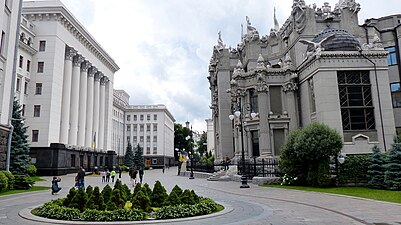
119,204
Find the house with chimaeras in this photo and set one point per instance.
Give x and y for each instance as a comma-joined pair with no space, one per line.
319,66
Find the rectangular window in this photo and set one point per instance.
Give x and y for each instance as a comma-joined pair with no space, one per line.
128,117
42,46
275,100
148,150
73,160
21,61
38,89
28,65
253,96
392,56
154,150
148,117
35,135
18,88
135,127
154,139
135,139
155,117
2,42
356,103
135,118
148,127
36,111
154,127
23,110
396,94
41,66
128,127
141,128
128,139
141,140
26,88
255,143
141,117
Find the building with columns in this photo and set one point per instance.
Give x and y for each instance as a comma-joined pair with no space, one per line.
319,66
9,14
65,85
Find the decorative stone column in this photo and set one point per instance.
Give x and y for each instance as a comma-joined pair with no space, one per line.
102,107
65,102
82,102
96,108
89,107
289,88
264,108
76,69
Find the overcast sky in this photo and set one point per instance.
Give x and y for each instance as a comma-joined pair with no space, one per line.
163,47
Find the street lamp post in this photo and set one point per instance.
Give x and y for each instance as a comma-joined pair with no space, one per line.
238,114
191,176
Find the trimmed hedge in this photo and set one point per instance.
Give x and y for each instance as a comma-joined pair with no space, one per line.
205,206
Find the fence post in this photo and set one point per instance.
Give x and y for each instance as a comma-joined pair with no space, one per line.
254,167
263,167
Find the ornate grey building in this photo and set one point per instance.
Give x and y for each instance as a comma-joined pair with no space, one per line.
320,66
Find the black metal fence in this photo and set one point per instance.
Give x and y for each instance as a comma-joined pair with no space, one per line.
253,168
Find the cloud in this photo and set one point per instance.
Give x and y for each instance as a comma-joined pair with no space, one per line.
163,47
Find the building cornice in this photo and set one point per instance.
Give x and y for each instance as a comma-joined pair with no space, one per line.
27,48
60,14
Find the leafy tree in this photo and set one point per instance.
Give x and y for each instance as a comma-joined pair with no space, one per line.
159,194
139,161
19,155
96,201
376,169
180,141
79,200
106,193
129,156
307,152
202,148
392,176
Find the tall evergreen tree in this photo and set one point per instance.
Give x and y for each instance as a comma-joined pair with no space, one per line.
138,158
392,176
376,169
19,155
129,156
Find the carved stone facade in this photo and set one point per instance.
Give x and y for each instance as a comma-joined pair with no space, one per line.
290,83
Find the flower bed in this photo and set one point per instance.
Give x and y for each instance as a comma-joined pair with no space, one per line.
119,204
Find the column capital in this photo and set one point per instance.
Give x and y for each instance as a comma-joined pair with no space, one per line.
98,76
104,80
262,87
78,59
290,86
85,66
92,71
69,53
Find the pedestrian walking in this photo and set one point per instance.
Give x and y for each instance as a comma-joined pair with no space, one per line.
55,187
141,174
119,172
227,162
107,176
113,175
81,178
164,167
103,174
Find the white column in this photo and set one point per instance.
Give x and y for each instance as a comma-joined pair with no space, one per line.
89,112
65,102
76,69
103,82
96,103
82,102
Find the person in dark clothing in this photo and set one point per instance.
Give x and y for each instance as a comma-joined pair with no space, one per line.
55,187
107,176
81,178
141,175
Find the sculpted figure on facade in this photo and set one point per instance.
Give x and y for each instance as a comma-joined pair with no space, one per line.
316,48
260,63
252,34
220,45
288,61
375,45
299,15
290,86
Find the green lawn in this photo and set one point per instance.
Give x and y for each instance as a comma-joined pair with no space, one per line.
34,188
362,192
36,178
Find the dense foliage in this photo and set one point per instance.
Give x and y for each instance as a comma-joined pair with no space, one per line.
123,206
392,176
376,169
139,162
129,156
354,170
307,152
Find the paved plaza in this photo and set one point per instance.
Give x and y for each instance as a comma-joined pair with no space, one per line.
255,205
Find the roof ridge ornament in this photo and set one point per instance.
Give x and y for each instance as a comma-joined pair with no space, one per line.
260,63
220,45
251,34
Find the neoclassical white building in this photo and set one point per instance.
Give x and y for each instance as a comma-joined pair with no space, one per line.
65,86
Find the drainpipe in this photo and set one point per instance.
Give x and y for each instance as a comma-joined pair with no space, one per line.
14,74
378,96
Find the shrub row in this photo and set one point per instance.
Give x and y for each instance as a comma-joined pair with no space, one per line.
9,181
205,206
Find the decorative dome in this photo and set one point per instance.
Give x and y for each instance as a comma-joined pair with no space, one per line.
343,40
